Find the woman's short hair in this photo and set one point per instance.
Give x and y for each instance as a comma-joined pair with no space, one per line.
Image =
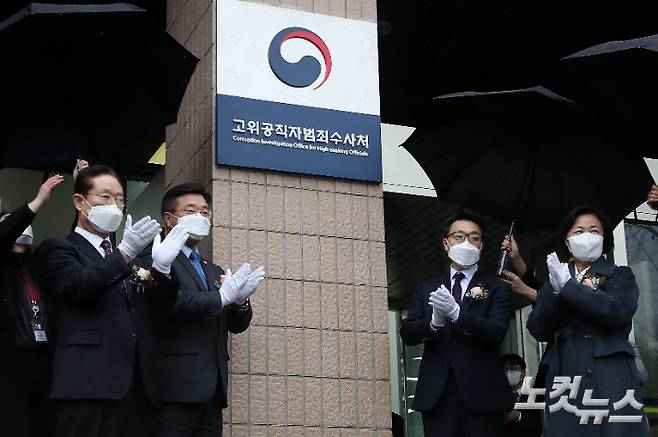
570,219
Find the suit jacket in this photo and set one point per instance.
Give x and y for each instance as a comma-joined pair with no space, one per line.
13,393
10,229
19,309
193,365
105,322
529,425
589,334
469,347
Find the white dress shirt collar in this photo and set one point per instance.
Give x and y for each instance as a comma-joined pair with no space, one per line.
94,239
187,251
468,273
579,275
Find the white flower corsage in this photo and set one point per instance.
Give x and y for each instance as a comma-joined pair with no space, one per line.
141,277
594,282
478,293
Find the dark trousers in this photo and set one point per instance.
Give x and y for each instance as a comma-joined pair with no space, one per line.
177,419
25,410
36,367
14,416
132,416
450,418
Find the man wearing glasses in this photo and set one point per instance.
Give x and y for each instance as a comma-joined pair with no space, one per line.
193,367
106,320
461,317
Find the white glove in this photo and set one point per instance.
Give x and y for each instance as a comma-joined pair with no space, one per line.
453,314
231,289
553,282
438,318
442,300
253,281
164,253
560,271
136,237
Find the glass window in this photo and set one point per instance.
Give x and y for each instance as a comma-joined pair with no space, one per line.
412,359
642,255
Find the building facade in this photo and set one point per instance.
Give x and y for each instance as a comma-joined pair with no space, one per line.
323,355
315,361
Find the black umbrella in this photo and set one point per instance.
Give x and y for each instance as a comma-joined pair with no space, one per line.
439,47
527,155
90,81
617,82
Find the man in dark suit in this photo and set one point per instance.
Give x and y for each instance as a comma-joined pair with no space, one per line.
107,313
193,367
526,423
462,318
24,373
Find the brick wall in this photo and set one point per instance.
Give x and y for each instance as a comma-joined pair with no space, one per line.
315,359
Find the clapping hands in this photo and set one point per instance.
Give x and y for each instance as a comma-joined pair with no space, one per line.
137,236
239,286
163,253
253,281
444,306
558,272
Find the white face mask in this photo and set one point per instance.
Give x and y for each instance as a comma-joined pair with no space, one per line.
464,254
197,225
26,237
104,218
586,246
513,377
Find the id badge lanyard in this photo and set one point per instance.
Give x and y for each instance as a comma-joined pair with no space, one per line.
34,295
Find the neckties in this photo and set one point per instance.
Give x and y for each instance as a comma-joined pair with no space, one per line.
194,259
457,288
107,247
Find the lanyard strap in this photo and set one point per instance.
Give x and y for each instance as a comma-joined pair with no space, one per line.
32,291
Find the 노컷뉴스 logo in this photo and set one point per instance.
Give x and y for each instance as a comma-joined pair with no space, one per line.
308,69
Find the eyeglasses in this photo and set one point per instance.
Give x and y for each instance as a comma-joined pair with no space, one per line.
459,236
205,212
106,199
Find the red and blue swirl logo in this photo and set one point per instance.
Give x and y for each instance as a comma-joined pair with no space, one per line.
308,69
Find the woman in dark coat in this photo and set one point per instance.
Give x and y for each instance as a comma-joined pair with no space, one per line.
19,385
586,310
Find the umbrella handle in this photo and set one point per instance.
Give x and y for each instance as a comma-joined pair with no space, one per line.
511,227
502,261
